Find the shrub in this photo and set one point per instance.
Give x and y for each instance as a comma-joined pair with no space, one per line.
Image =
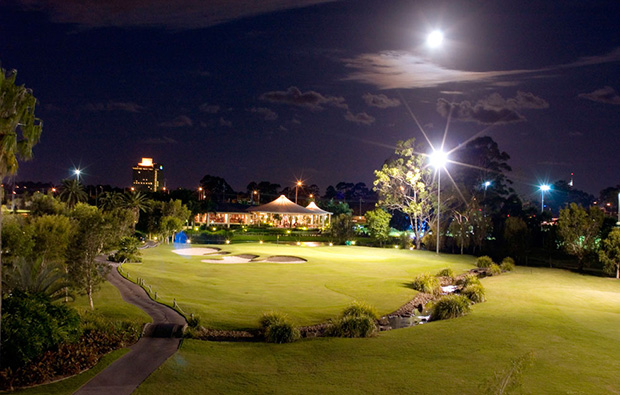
447,272
277,329
484,261
353,326
360,309
450,306
468,279
426,283
127,251
508,264
31,325
495,269
474,292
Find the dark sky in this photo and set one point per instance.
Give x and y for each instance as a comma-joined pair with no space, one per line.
267,90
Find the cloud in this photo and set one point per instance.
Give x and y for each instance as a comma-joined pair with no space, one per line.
265,113
209,108
401,69
380,101
310,100
225,123
113,106
178,14
360,117
160,140
606,95
493,109
178,122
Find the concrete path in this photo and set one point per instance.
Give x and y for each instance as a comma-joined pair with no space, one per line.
160,340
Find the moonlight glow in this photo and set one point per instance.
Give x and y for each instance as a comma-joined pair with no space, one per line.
434,39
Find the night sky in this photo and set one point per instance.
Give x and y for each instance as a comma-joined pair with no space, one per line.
278,90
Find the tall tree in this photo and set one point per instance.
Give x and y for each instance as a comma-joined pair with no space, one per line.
579,228
378,222
20,131
404,183
136,202
609,253
216,188
72,192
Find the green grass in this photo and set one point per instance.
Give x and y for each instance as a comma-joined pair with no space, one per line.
109,303
571,324
234,296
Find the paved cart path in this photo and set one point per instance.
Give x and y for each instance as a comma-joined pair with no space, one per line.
161,340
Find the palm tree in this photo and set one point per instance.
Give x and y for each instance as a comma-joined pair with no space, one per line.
72,192
20,130
136,202
35,276
111,200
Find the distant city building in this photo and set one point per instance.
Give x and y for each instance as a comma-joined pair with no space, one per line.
148,176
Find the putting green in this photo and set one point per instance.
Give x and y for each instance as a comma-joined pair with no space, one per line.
234,296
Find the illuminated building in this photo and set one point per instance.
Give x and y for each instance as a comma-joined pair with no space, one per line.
148,176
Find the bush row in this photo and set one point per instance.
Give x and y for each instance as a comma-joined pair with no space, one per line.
507,264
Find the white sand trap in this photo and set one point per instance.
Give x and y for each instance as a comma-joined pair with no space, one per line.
195,251
284,259
227,260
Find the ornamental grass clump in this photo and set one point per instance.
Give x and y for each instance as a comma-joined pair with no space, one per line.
468,279
447,272
356,320
450,306
495,269
427,283
360,309
484,261
508,264
474,292
277,328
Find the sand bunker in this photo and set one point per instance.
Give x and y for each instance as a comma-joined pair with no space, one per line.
195,251
284,259
232,259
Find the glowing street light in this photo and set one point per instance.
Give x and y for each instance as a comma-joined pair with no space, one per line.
438,160
296,188
77,173
434,39
543,188
486,184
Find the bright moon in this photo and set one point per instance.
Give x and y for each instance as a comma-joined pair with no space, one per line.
434,39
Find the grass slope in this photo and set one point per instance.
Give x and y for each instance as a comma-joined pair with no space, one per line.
570,323
234,296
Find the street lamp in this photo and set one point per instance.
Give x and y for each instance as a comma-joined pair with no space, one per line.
543,188
296,188
257,193
438,160
77,173
486,185
618,223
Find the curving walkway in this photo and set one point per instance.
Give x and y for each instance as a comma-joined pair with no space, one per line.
161,339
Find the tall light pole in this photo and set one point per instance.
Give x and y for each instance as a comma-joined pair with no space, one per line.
543,188
438,160
618,223
77,173
296,188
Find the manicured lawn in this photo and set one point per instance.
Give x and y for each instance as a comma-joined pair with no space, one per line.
570,323
234,296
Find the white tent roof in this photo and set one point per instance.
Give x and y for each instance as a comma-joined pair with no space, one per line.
281,205
316,209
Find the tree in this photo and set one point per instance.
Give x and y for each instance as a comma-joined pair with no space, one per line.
378,222
20,131
335,207
33,275
94,234
609,253
51,235
109,201
216,188
45,205
516,237
17,240
341,228
72,192
460,230
403,184
136,202
579,228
